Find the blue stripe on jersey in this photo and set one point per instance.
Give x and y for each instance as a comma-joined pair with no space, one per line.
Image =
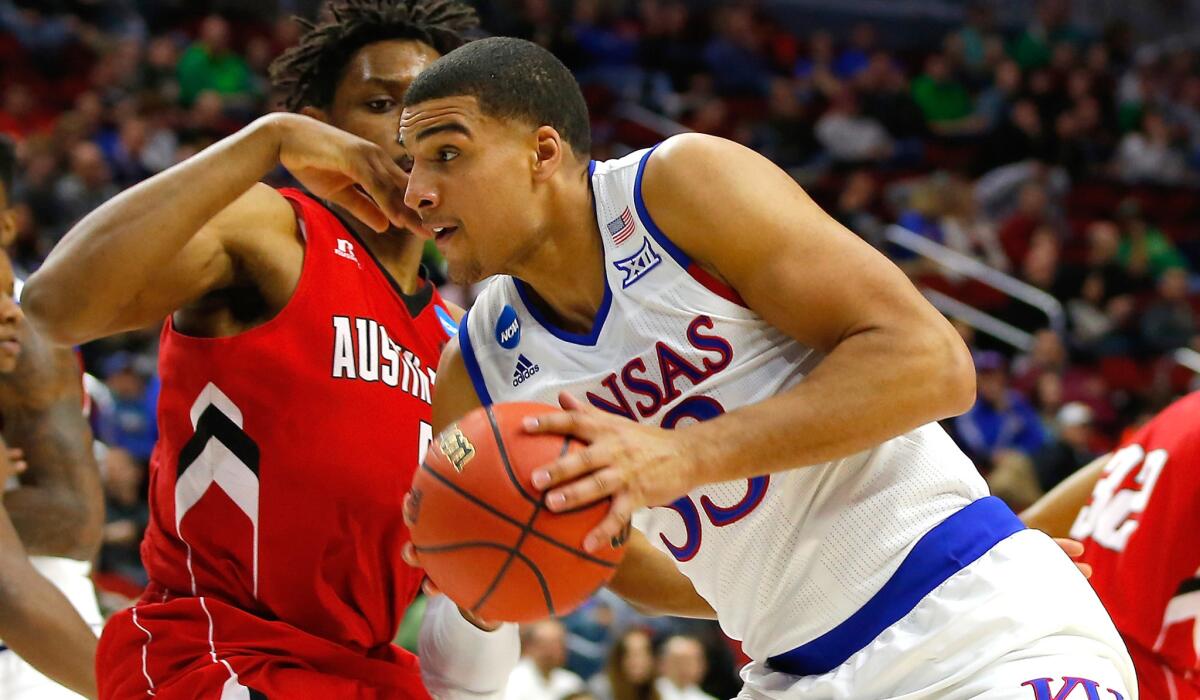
591,169
468,356
943,551
588,339
638,203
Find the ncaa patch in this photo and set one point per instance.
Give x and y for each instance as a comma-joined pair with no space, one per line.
508,328
448,323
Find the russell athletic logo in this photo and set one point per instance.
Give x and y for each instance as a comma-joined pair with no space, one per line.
524,370
508,328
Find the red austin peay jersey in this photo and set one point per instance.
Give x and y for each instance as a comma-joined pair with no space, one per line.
277,482
1141,531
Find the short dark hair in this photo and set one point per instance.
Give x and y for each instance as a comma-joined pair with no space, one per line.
308,73
511,78
8,165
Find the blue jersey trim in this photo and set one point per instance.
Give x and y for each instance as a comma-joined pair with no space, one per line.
468,356
943,551
591,169
588,339
673,250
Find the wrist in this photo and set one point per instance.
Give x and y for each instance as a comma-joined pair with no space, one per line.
697,444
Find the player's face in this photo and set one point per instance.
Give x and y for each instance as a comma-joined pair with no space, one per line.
10,318
369,97
474,183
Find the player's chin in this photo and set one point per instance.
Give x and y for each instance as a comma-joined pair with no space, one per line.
8,361
463,272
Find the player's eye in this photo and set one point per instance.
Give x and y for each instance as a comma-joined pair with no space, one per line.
447,154
406,163
382,104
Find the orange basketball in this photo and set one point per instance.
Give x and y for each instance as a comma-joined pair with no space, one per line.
483,532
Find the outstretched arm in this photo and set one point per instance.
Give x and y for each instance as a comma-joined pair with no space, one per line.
36,620
167,241
891,362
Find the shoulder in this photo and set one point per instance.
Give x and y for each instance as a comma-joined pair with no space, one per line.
261,214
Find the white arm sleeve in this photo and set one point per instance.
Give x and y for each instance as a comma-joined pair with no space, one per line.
459,661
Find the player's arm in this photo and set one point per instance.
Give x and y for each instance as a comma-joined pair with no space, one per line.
190,229
58,509
892,362
36,620
649,581
1055,512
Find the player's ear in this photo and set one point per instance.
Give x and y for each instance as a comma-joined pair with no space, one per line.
315,112
548,152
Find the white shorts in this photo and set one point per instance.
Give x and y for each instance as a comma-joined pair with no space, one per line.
19,680
1017,624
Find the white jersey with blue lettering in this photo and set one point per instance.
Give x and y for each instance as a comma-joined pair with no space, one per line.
794,559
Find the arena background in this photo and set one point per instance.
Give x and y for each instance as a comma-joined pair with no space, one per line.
1032,166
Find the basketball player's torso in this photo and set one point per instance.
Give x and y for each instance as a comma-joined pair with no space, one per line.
285,451
782,558
1139,536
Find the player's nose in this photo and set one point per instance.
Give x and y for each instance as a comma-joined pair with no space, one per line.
10,310
420,195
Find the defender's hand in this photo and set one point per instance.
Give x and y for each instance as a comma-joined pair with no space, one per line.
637,465
1074,549
345,169
409,554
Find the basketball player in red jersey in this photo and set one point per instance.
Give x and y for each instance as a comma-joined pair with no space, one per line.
1137,511
297,362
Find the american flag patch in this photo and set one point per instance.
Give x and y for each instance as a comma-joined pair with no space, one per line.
621,228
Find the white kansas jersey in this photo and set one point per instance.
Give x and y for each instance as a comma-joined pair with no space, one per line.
783,559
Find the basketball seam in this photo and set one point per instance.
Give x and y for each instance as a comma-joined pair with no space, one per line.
517,546
440,549
513,521
512,476
512,554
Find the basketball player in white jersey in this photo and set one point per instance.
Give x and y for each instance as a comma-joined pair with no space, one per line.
806,490
54,513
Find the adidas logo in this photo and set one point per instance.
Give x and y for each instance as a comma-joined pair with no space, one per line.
524,370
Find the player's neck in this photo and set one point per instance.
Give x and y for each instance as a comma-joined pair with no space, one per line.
566,269
399,252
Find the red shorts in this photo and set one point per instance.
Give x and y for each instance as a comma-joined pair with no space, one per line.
193,648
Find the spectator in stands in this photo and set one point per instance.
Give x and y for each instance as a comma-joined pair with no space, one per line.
1070,449
589,636
849,136
88,185
1016,232
856,207
1032,48
994,103
785,135
1022,136
942,98
735,56
885,96
854,58
540,674
1149,154
681,668
976,36
1002,419
126,515
1144,250
964,228
629,673
210,63
1097,318
132,425
1170,322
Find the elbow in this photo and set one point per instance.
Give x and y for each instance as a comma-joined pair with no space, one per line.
50,312
956,370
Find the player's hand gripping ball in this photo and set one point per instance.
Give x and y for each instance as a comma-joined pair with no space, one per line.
483,533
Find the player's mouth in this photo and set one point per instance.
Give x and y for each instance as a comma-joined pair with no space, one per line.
9,345
442,234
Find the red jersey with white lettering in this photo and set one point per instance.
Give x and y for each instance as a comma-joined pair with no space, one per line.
1141,532
277,482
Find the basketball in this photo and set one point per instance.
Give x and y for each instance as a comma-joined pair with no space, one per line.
483,532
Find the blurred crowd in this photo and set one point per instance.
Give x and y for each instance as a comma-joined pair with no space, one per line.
1064,157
